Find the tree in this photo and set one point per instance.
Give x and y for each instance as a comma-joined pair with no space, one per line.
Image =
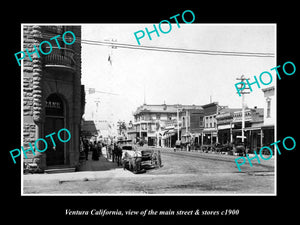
121,127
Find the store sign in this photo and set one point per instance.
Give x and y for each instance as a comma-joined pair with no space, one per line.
53,105
226,126
170,123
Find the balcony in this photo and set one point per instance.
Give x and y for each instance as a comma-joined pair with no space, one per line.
62,58
54,29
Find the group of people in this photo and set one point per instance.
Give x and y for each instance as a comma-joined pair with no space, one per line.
95,147
180,146
112,151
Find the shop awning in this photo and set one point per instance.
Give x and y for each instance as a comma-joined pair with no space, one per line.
265,127
240,136
252,128
225,126
172,131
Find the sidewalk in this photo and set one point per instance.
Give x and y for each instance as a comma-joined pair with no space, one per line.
89,170
102,164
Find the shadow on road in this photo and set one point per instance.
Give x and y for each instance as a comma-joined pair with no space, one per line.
97,165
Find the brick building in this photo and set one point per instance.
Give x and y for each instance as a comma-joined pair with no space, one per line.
210,132
53,96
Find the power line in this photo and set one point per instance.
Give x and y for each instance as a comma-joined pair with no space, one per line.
170,49
179,50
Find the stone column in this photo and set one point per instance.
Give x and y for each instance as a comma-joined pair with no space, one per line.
38,109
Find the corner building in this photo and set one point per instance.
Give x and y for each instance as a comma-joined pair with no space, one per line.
53,96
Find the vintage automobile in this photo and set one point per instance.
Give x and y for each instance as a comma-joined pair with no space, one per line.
139,159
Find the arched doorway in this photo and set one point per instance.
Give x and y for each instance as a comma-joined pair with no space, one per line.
54,121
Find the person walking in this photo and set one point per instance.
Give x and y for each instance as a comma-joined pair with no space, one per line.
86,149
95,155
177,145
114,150
99,146
119,153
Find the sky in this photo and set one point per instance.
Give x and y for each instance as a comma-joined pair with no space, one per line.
135,76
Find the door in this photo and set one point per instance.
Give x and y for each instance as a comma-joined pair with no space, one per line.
55,155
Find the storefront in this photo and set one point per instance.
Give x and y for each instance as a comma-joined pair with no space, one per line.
225,133
268,136
210,136
151,139
254,135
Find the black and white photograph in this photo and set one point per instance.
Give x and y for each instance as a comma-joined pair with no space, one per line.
176,108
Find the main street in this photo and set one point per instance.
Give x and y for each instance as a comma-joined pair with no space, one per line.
181,173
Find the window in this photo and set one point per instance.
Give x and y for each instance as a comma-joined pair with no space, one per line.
158,116
268,107
201,121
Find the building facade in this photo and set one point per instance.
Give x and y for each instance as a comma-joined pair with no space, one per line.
225,124
160,125
269,116
210,132
155,124
192,119
52,95
253,125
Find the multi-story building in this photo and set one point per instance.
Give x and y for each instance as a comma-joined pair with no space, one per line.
160,124
269,116
225,124
52,95
192,119
210,132
253,124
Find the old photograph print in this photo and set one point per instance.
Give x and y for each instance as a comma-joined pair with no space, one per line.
130,109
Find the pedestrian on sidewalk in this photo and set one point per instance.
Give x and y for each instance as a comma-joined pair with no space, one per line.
95,155
86,149
114,150
177,145
99,147
118,154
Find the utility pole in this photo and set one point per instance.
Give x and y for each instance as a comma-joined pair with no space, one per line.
243,79
177,108
186,121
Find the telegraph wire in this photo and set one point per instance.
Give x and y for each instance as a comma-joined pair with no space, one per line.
169,49
181,50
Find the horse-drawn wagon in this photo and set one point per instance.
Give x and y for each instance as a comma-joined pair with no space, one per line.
139,159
